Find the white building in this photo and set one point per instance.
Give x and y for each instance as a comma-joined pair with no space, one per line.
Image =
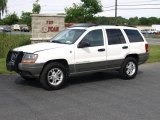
156,26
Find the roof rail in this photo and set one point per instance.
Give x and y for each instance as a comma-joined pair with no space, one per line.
132,26
126,25
84,25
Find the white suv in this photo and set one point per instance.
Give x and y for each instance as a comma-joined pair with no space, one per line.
80,49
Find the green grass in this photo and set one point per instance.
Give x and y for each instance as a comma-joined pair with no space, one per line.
8,42
154,53
3,69
151,36
154,56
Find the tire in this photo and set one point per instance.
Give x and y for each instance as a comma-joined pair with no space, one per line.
129,68
53,76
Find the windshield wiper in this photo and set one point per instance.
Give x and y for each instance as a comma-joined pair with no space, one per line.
56,41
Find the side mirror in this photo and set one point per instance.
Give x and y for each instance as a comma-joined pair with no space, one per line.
83,44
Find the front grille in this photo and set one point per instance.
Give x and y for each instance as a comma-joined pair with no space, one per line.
13,59
12,56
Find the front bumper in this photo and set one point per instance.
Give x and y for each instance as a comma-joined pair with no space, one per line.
13,63
30,70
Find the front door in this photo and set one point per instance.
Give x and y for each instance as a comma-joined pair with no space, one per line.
92,57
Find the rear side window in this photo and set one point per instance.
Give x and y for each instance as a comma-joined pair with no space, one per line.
115,36
133,35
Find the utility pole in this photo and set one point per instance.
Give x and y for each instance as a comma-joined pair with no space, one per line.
115,11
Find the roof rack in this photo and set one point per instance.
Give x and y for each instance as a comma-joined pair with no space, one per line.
84,25
132,26
127,25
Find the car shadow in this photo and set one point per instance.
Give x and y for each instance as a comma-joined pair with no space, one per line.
94,77
29,82
97,77
78,79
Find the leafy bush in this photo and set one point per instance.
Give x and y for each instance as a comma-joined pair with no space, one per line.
8,42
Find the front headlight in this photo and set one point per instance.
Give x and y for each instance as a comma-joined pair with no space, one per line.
29,58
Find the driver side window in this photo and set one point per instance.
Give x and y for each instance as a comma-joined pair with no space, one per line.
94,38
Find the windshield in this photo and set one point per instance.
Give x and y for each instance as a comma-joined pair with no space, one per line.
68,36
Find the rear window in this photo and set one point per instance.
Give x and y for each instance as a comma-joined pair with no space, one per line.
134,35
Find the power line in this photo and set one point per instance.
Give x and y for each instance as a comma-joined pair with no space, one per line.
141,1
131,9
53,10
109,6
133,5
139,5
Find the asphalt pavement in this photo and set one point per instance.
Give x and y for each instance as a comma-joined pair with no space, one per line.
18,33
153,41
98,96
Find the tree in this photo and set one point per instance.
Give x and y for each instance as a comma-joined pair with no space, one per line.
144,21
158,20
36,7
3,7
2,22
61,14
111,21
83,12
26,18
74,14
11,19
133,21
153,20
121,21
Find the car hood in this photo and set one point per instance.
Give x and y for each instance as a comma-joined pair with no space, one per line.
39,47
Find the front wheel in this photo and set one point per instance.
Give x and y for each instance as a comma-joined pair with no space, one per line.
129,68
53,76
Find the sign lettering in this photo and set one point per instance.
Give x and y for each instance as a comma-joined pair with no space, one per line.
50,27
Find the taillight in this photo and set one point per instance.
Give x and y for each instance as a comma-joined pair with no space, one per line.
146,47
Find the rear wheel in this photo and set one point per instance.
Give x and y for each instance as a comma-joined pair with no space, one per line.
53,76
129,68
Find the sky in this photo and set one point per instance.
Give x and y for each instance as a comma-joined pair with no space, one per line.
57,6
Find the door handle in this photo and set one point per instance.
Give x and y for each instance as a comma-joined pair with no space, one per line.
101,50
125,47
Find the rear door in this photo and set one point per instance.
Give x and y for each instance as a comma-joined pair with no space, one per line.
117,47
137,44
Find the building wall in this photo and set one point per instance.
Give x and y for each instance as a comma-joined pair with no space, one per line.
45,26
156,26
144,27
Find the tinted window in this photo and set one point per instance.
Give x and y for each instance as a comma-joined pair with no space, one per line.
115,36
95,38
133,35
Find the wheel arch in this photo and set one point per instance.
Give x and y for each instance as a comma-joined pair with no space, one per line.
133,56
62,61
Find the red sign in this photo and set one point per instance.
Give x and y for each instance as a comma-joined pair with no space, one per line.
46,29
49,27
